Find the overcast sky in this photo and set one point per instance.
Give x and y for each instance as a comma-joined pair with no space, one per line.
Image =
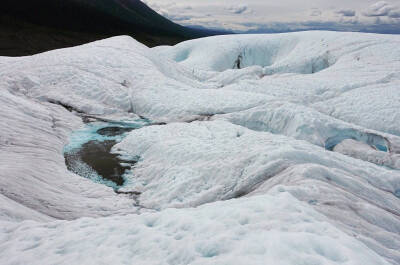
283,15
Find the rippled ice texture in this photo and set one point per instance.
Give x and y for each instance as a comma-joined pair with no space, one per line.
291,159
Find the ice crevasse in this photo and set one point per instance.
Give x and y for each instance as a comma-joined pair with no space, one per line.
262,149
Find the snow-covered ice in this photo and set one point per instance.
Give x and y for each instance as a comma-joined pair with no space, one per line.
264,149
268,229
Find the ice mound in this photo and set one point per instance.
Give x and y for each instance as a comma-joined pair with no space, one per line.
280,53
305,123
35,183
189,164
118,75
374,106
355,70
273,229
186,165
368,153
287,145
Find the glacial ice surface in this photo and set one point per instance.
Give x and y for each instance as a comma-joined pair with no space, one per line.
278,149
267,229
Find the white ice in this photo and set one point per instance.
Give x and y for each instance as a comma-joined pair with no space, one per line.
268,229
292,159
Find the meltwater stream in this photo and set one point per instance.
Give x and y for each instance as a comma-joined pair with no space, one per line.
88,152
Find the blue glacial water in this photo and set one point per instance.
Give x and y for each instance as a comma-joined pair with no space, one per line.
88,152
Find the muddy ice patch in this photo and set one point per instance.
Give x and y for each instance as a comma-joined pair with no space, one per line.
89,155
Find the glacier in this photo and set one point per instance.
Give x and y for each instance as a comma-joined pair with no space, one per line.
262,149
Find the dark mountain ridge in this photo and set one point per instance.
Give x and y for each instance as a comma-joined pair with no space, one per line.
32,26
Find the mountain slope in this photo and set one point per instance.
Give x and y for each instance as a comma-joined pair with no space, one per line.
28,27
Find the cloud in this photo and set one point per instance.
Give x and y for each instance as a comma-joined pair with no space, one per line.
315,12
346,12
394,14
284,15
240,9
381,9
177,17
355,26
